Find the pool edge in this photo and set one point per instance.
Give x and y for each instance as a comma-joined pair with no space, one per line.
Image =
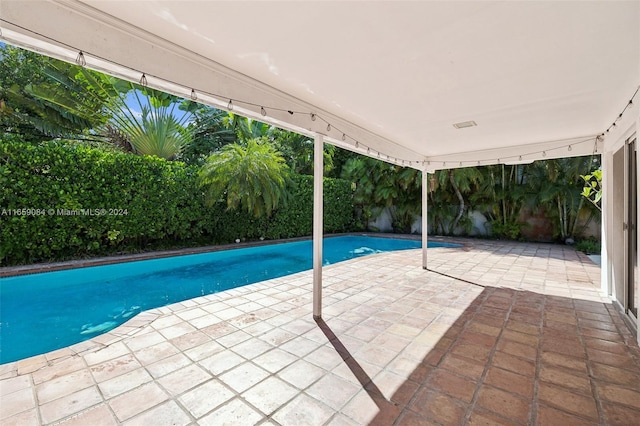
36,268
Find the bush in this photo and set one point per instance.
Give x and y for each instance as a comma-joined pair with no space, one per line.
148,202
588,246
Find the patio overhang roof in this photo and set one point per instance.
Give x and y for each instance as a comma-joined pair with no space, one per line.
540,79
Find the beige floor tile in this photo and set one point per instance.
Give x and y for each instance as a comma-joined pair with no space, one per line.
99,415
25,418
177,330
29,365
301,374
233,413
362,408
303,410
115,367
324,357
206,397
64,385
144,340
221,362
137,401
17,402
57,369
14,384
252,348
124,382
270,395
300,346
115,350
243,376
184,379
204,350
70,404
168,365
274,360
168,413
333,391
234,338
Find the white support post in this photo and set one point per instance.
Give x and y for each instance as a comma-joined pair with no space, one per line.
425,223
606,266
318,167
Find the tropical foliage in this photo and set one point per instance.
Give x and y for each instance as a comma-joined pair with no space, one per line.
251,177
297,151
157,130
210,132
501,195
557,185
450,198
380,185
66,100
148,203
592,189
33,118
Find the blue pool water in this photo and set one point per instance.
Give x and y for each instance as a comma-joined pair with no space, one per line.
43,312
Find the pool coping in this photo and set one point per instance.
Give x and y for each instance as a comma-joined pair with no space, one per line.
36,268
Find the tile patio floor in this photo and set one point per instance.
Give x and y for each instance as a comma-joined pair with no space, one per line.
533,343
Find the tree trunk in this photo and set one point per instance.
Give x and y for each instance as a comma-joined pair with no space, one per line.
560,217
460,198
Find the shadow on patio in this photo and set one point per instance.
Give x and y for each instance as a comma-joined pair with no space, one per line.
398,345
513,357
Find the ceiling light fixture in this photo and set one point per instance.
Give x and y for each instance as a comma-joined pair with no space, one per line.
465,124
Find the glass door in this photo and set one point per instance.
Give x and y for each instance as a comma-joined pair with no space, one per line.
631,219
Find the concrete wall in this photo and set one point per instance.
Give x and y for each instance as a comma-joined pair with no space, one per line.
540,227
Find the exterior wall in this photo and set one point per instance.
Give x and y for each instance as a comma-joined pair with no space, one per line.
480,226
617,231
613,248
540,227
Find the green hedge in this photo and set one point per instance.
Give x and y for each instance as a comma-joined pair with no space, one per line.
163,204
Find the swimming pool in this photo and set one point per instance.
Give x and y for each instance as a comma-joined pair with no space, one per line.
43,312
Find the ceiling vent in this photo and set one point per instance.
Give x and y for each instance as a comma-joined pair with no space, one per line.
465,124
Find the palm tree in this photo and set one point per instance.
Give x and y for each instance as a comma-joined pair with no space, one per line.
210,134
156,130
500,195
557,185
252,177
34,118
297,150
134,117
450,198
247,128
381,185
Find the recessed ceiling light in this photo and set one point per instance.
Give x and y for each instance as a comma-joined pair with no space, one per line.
465,124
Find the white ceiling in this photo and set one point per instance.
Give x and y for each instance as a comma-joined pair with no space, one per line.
394,75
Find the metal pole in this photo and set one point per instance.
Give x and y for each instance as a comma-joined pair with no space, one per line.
425,198
318,167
